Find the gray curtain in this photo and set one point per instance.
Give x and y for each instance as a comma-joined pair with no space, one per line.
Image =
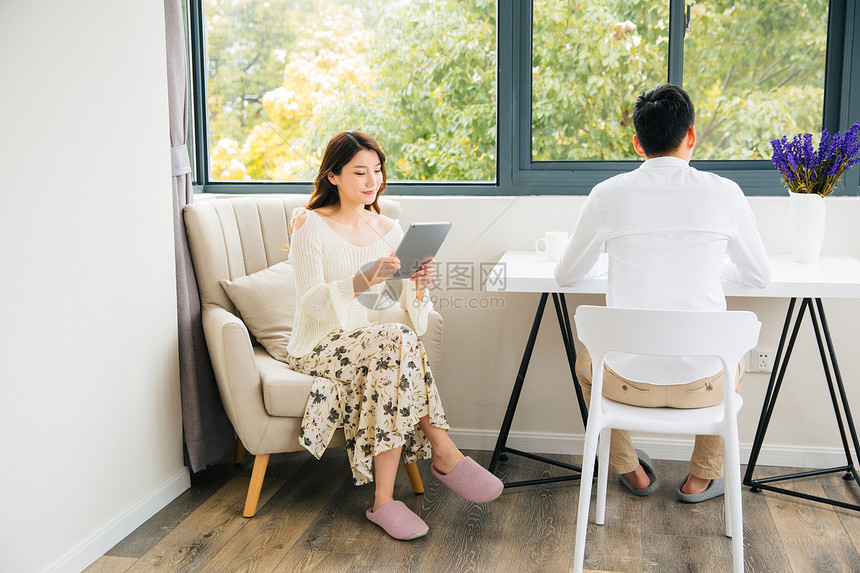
207,431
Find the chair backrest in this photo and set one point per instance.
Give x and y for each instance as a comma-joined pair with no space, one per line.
237,236
727,335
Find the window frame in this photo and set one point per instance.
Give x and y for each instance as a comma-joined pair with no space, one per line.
516,172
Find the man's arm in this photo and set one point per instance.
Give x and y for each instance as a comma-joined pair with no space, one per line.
748,263
583,249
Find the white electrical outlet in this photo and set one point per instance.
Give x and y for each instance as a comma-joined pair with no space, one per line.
761,360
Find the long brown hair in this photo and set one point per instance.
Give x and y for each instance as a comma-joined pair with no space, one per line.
340,151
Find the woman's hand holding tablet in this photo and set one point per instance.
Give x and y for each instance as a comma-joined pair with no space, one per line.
419,246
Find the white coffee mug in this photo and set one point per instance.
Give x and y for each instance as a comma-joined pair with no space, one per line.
552,245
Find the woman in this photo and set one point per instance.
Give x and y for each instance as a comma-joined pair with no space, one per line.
371,379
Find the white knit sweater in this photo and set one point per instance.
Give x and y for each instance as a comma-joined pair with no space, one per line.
325,264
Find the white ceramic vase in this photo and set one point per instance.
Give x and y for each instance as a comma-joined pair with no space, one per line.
807,226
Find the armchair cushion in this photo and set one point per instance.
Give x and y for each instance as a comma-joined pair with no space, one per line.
285,392
266,301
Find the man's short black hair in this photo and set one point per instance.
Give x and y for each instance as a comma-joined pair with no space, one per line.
662,116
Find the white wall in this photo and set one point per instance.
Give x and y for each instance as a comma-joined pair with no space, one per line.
89,405
483,348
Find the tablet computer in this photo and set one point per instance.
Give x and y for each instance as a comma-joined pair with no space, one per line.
419,245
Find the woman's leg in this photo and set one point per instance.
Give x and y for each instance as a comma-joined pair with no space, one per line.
463,475
372,382
446,455
384,472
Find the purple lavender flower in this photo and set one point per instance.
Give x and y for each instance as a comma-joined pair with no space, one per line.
808,150
808,170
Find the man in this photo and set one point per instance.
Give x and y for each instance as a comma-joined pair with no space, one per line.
671,234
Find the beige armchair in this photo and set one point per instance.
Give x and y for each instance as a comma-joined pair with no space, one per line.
263,398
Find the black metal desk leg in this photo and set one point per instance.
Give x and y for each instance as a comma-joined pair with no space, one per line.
833,400
851,470
776,377
828,361
518,385
501,444
570,350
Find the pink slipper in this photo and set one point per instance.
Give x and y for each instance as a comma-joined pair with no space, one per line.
398,521
471,481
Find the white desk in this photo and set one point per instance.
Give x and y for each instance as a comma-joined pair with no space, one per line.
831,277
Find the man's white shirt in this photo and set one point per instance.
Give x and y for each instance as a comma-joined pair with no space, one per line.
671,233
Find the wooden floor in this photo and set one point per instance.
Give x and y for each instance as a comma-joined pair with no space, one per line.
311,518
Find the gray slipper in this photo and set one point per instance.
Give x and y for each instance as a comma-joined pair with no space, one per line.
649,471
716,488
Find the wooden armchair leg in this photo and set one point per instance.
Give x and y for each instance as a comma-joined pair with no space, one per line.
239,454
261,461
414,477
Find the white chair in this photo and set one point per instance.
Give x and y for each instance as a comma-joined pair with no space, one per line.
728,335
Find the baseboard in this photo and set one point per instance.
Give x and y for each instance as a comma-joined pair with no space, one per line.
657,448
101,541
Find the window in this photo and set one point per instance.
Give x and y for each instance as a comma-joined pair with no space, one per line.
501,97
284,76
589,62
754,69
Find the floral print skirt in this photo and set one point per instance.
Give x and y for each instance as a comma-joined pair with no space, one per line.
374,383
